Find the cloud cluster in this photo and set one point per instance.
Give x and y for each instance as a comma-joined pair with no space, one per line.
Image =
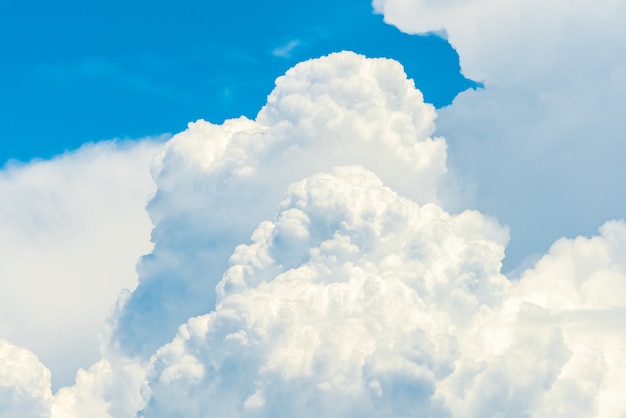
304,265
543,139
355,301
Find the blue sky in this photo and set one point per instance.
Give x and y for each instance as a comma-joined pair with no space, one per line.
76,72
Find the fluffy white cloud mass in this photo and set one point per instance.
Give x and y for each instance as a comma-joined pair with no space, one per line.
356,301
544,139
72,229
303,265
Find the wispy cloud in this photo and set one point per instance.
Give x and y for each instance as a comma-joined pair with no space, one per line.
285,51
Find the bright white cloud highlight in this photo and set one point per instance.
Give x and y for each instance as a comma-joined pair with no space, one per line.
358,302
284,51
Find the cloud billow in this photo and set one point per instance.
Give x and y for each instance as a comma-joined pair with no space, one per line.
217,182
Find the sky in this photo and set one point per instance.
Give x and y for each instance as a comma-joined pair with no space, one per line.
251,210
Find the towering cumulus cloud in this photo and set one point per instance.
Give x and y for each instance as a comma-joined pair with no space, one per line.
304,266
217,182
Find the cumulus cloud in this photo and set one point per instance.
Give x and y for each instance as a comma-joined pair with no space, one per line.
217,182
340,307
24,383
355,301
112,387
542,140
304,264
581,282
72,230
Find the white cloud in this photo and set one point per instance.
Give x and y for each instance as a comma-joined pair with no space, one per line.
340,307
109,388
24,383
347,304
355,301
582,284
315,272
543,140
217,182
285,50
72,230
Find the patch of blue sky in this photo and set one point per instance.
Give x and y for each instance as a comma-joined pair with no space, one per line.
76,72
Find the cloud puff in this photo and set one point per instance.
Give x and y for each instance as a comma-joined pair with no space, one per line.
581,282
497,41
24,383
543,139
554,347
72,230
112,387
217,182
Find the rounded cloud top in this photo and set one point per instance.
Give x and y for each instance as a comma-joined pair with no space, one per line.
217,182
336,110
